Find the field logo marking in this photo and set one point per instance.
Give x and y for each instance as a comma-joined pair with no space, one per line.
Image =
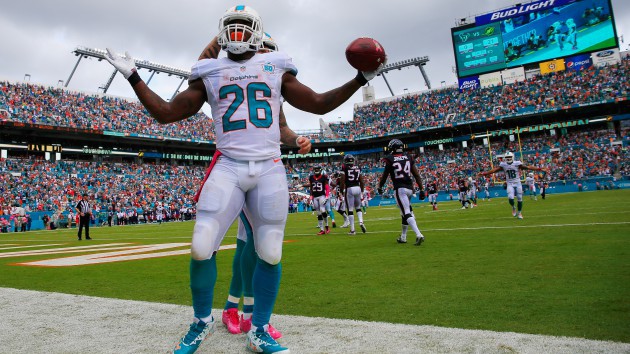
74,249
129,253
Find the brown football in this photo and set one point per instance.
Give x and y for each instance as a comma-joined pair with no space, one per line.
365,54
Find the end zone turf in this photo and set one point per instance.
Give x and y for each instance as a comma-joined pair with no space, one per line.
35,322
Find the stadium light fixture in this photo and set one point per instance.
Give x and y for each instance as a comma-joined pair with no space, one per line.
420,62
85,52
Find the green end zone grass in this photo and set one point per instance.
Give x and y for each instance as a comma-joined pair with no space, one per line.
564,270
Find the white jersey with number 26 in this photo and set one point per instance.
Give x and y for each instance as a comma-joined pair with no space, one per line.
245,99
512,171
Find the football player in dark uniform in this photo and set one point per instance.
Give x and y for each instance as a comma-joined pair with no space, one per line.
462,184
340,200
432,191
352,186
400,168
318,183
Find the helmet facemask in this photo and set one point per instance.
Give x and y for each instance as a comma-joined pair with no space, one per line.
240,30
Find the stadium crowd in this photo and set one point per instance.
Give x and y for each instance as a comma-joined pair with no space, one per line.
432,109
29,103
35,104
575,155
125,188
135,191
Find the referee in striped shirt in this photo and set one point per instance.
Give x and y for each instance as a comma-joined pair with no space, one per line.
85,211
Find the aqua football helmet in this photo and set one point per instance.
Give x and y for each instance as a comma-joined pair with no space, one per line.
240,30
509,157
268,43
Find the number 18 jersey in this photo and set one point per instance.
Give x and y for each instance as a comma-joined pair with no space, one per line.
245,98
512,171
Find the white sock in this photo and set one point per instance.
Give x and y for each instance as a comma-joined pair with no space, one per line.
208,319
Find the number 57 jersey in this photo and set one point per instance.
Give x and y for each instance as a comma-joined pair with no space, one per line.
245,98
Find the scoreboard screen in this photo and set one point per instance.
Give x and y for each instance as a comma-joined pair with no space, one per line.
479,49
532,33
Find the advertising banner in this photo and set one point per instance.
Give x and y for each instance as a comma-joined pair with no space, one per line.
578,62
513,75
552,66
491,79
606,57
469,83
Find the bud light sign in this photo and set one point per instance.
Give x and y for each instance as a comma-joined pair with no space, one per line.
578,62
469,83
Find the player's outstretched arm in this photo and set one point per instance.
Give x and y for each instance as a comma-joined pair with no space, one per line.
304,98
494,170
183,106
290,138
532,168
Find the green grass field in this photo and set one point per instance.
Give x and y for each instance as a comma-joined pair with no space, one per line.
564,270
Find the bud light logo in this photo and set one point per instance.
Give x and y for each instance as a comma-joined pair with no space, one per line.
469,83
520,10
605,53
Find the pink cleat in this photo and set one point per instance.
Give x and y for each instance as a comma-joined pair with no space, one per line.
274,333
230,319
246,325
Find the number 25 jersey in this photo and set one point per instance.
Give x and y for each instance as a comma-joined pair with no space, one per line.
245,98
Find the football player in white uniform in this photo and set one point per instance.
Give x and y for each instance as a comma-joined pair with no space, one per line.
365,200
512,169
159,212
244,262
531,185
472,191
331,202
486,190
245,91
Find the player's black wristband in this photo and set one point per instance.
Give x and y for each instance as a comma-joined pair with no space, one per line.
134,78
360,78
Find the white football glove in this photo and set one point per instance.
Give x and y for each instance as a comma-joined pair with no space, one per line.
369,75
126,65
364,76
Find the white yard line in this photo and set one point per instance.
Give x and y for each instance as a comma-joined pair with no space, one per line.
37,322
